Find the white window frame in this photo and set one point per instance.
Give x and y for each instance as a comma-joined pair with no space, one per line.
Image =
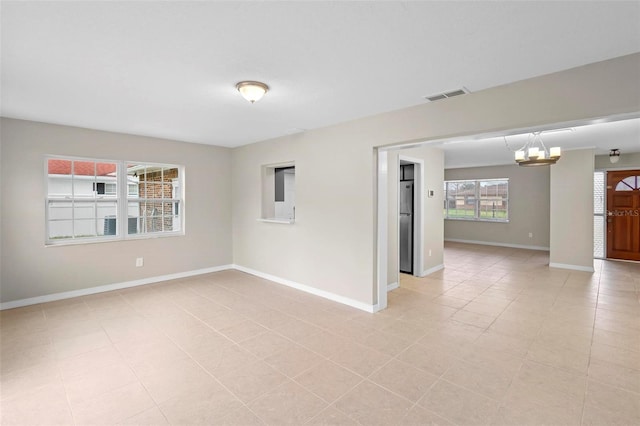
477,216
121,198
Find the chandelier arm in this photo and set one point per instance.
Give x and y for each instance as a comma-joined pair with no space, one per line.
509,148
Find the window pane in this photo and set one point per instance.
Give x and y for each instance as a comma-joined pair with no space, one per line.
106,218
59,178
598,236
60,229
598,192
84,182
493,200
461,199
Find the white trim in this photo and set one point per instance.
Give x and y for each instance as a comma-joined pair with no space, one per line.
432,270
109,287
280,221
382,231
308,289
572,267
489,243
392,286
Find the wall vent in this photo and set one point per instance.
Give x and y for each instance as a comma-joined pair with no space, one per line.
445,95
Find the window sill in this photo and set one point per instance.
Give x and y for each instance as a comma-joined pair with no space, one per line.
280,221
464,219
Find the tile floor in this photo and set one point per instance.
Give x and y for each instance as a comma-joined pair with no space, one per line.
496,338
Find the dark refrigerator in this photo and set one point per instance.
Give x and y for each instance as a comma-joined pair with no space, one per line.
406,227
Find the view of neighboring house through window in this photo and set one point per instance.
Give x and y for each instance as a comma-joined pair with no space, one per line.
485,200
157,202
88,200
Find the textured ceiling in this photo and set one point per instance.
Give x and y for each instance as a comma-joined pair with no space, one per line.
168,69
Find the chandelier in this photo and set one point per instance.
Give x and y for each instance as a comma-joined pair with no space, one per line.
535,153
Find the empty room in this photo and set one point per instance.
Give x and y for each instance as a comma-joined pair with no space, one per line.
320,213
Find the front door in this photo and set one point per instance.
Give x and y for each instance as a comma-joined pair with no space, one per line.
623,215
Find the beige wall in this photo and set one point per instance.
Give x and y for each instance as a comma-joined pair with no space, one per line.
331,246
631,160
528,208
30,269
572,210
433,162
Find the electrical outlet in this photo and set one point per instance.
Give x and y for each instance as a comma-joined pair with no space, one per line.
429,252
530,234
139,262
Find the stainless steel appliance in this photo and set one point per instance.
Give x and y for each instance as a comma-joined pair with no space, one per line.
406,227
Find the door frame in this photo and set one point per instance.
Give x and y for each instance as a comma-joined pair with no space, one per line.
418,216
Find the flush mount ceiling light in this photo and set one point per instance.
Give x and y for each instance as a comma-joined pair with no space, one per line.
614,155
535,153
252,91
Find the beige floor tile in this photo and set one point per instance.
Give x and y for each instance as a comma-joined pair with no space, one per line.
150,417
28,358
558,356
296,330
612,406
202,408
182,377
385,343
114,406
360,359
124,351
293,360
370,404
614,375
490,382
266,344
252,381
243,331
404,380
224,359
328,380
287,404
100,381
46,406
419,416
331,417
460,405
615,355
27,381
523,411
433,360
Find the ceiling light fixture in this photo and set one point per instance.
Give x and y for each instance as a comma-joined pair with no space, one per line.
614,155
252,91
535,153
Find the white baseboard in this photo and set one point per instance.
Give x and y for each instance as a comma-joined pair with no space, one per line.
118,286
490,243
432,270
312,290
572,267
109,287
392,286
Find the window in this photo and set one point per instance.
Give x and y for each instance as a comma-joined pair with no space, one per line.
88,200
278,193
598,214
485,200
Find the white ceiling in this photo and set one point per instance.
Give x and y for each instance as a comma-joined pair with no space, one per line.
168,69
602,137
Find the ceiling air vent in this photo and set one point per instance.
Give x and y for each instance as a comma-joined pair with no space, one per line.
446,95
